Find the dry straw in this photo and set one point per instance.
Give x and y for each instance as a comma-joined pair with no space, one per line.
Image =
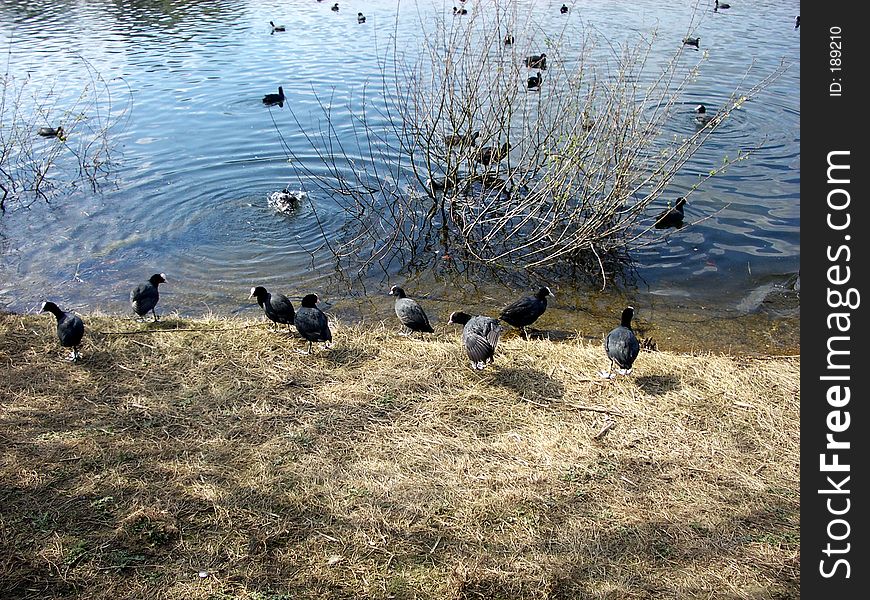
209,459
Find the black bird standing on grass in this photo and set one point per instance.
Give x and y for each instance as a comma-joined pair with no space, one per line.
526,311
672,217
311,322
144,297
70,328
410,313
621,345
272,99
480,337
277,307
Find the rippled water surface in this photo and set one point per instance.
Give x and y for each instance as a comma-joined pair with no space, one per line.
197,154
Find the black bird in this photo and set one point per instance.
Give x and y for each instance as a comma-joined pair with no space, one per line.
508,39
277,307
51,132
480,337
537,61
526,311
276,27
672,217
360,18
564,9
692,41
459,11
144,297
621,344
410,313
70,328
461,139
535,81
272,99
490,154
311,322
797,21
723,5
335,7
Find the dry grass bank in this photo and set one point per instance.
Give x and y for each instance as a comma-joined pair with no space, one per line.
220,463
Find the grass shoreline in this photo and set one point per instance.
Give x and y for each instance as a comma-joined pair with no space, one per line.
209,459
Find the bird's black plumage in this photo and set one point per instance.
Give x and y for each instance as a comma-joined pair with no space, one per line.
535,81
672,217
692,41
621,343
461,139
277,307
526,311
334,7
360,18
488,155
272,99
563,9
410,314
797,21
311,322
537,61
480,337
144,297
70,327
276,27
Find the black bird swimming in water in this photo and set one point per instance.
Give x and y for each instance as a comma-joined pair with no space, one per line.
534,82
144,297
672,217
692,41
480,337
621,345
537,61
797,21
70,328
360,18
272,99
526,311
311,322
489,155
276,27
410,313
564,9
277,307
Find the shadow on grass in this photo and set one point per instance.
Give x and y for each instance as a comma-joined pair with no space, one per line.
530,384
656,385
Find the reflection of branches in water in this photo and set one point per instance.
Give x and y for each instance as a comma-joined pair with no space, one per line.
82,148
462,168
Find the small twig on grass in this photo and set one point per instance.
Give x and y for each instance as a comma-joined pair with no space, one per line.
607,427
608,411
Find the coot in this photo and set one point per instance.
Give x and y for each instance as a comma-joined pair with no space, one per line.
272,99
480,337
526,311
311,322
360,18
488,155
537,61
144,297
621,345
564,9
534,82
672,217
410,313
70,328
692,41
276,27
277,307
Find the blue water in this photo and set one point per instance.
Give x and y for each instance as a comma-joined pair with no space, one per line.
195,153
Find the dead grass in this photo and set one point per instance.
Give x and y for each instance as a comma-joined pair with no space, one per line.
220,463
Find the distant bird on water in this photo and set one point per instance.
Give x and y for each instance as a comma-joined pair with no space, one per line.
621,345
480,337
70,328
508,39
276,27
534,82
410,313
360,18
723,5
488,155
144,297
701,116
459,11
797,21
311,322
334,7
277,307
272,99
461,139
51,132
537,61
692,41
672,217
564,9
526,311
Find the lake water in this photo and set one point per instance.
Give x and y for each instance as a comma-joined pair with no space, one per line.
196,155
